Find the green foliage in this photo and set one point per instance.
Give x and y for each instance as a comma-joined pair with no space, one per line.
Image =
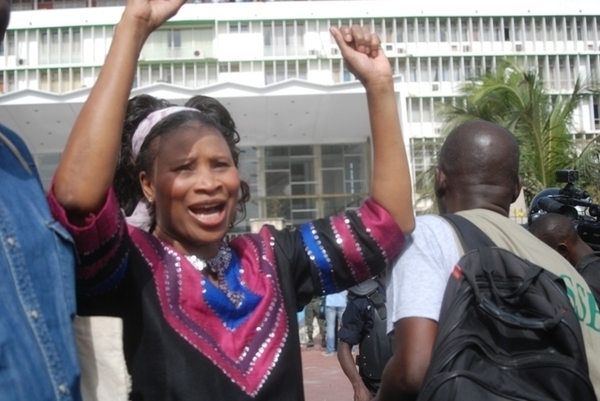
514,97
424,204
588,166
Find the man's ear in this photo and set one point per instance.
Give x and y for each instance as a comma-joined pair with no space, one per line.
518,187
147,187
563,249
440,182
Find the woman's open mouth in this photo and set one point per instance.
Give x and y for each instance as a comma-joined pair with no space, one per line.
209,214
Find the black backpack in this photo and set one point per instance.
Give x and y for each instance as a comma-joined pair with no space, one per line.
376,347
507,331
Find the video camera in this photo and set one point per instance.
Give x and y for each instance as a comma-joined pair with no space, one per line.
571,202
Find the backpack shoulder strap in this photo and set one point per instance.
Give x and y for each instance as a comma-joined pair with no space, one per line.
471,237
377,299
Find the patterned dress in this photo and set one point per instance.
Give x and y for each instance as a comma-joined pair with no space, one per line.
184,339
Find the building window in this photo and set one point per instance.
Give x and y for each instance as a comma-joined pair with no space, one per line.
410,31
400,31
304,182
423,156
443,31
421,29
454,31
10,42
389,31
414,111
596,107
174,38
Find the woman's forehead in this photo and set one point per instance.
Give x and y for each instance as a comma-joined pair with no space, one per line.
185,137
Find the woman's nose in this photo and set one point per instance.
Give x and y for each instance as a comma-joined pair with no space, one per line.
205,180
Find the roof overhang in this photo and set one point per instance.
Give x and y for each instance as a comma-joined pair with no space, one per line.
293,112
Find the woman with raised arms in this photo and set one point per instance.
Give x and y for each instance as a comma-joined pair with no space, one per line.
204,319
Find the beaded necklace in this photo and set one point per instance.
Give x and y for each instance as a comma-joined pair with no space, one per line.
218,265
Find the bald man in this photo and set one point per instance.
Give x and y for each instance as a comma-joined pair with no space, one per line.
477,178
558,232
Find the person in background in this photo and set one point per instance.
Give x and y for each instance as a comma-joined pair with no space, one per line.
364,325
557,231
477,178
335,304
312,312
204,319
38,359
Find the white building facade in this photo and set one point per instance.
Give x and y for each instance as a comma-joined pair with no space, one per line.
301,114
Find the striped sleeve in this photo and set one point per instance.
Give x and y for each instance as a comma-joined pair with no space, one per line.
351,247
101,246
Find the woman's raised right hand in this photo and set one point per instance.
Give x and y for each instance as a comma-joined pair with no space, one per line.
150,14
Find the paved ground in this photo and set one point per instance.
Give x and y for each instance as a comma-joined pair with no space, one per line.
323,377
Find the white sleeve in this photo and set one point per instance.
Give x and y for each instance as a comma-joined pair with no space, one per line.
416,283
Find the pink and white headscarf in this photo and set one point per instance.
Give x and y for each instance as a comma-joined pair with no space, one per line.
150,121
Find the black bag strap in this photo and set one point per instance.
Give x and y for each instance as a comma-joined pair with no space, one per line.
472,238
377,299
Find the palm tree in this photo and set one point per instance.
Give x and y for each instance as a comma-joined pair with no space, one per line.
515,98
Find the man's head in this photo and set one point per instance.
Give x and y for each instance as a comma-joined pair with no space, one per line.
4,17
478,168
558,232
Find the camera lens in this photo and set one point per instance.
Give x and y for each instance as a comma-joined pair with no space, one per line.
552,206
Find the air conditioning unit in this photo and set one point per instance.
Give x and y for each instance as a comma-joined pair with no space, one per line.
466,48
313,52
198,53
519,47
435,87
591,46
437,130
392,49
21,61
334,50
454,48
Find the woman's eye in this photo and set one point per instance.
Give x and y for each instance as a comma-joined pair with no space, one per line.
222,163
185,167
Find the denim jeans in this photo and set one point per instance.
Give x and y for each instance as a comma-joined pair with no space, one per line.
333,316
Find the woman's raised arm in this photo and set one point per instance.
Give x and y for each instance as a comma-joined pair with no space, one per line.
391,186
87,167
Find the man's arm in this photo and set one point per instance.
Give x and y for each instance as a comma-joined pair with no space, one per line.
414,297
403,375
354,321
344,354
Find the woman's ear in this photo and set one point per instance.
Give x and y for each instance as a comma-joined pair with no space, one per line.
147,187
